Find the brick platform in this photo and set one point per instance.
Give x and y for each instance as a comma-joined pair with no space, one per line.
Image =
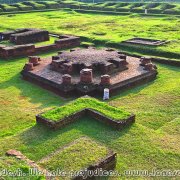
49,78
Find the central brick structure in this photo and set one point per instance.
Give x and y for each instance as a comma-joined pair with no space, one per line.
89,71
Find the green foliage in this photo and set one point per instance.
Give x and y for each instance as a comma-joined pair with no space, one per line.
108,30
82,103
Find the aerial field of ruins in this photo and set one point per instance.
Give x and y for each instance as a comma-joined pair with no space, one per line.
89,90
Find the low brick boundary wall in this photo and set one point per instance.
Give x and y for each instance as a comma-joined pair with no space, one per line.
73,117
108,163
32,164
133,82
144,42
159,60
108,121
30,49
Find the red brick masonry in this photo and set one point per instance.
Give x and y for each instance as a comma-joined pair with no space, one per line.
120,124
7,52
51,79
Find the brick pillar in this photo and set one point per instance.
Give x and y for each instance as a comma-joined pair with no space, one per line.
66,79
34,60
150,67
55,64
39,59
105,79
28,67
107,67
145,60
68,68
86,76
122,56
55,57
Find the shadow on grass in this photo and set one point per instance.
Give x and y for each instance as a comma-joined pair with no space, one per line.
137,89
39,136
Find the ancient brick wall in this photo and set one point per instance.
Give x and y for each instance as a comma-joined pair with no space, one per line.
29,37
67,42
30,49
46,48
98,116
15,51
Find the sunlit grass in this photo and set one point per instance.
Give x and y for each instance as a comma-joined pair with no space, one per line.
105,28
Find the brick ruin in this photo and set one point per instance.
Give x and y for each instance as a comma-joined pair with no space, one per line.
22,37
25,36
88,71
145,41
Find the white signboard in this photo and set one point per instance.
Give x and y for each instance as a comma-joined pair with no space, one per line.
106,94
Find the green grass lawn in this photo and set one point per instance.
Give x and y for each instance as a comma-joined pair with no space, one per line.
104,28
82,103
152,142
77,156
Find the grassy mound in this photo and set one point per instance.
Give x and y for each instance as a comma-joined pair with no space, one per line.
174,10
49,4
82,103
79,155
35,5
8,8
23,7
137,7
